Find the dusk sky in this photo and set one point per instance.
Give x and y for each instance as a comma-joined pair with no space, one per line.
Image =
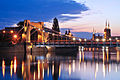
78,15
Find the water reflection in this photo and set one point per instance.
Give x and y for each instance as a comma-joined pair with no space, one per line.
89,64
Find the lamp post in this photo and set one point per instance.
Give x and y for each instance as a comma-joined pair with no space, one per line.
97,41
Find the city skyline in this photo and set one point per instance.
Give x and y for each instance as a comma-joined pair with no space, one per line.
78,15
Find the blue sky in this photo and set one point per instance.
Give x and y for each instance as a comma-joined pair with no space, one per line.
77,15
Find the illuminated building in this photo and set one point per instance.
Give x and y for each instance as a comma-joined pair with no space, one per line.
107,31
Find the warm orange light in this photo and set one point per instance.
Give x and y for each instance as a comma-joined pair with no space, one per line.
15,36
23,36
11,31
11,67
74,39
15,64
3,68
22,67
4,31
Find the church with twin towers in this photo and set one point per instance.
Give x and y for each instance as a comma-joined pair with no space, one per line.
107,34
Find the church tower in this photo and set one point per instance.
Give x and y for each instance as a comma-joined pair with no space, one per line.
107,31
93,36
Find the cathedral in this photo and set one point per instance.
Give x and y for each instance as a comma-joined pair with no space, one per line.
107,34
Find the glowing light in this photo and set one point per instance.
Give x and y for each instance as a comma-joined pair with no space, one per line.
103,40
74,39
34,75
11,68
4,31
110,39
48,47
97,40
103,69
15,64
69,69
80,40
116,38
23,35
118,55
38,69
15,36
85,39
59,70
53,69
3,68
73,65
11,31
22,67
39,29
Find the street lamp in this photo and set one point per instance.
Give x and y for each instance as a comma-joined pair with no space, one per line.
97,41
85,41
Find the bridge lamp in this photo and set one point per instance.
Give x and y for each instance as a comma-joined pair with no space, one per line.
80,40
74,39
15,36
85,40
110,39
43,31
103,40
39,29
116,38
60,33
11,31
4,31
97,40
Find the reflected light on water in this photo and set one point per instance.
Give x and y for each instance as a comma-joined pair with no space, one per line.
69,69
73,65
118,55
22,67
34,75
15,64
59,70
52,69
3,68
103,69
38,69
11,68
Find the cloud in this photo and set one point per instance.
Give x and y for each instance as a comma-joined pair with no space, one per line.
38,10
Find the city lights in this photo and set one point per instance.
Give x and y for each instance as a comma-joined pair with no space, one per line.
11,31
15,36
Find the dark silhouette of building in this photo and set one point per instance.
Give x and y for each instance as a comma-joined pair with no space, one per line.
55,25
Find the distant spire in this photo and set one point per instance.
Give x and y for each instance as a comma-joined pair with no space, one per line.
106,24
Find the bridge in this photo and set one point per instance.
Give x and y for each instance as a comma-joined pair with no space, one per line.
39,35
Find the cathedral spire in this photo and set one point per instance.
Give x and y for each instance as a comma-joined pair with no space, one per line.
106,24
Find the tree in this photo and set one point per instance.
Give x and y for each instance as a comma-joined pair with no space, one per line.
55,25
